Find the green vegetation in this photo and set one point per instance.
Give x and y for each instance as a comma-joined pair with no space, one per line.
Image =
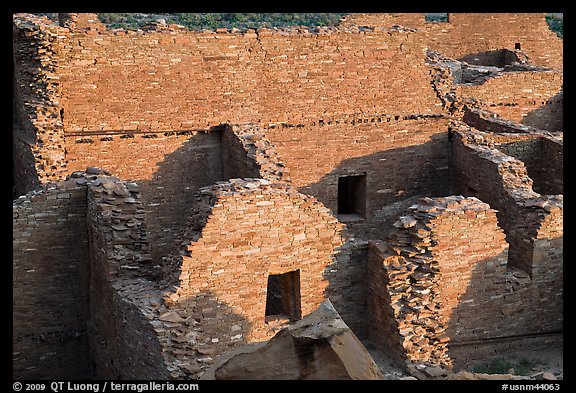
556,24
201,21
436,18
502,366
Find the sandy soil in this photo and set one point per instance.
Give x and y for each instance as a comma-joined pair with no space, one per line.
551,361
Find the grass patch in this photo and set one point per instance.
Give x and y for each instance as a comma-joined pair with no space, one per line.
502,366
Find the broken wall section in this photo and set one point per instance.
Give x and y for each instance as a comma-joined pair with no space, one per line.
533,224
243,232
170,167
521,209
431,274
124,292
540,151
39,153
443,280
248,153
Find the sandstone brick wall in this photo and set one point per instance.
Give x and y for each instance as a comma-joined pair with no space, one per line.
443,279
39,135
124,292
469,33
241,232
135,80
552,169
519,96
50,284
522,213
384,148
541,153
169,168
549,116
383,19
248,153
348,285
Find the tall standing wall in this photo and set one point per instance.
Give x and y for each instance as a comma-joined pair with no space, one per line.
50,284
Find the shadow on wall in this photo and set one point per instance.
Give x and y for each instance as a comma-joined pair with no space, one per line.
393,179
492,58
504,304
169,195
549,116
209,328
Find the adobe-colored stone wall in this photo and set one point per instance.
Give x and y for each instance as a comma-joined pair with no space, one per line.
521,96
241,232
522,212
169,168
167,80
39,133
384,147
442,279
50,284
124,292
248,153
552,169
384,19
470,33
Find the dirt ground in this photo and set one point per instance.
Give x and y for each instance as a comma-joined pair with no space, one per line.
551,361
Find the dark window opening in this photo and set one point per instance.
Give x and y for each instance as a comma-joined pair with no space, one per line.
517,46
352,195
283,296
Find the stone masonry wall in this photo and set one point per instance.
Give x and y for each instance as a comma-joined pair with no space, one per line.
377,146
540,151
117,80
517,96
436,272
522,213
248,153
242,231
50,283
470,33
552,169
169,167
442,279
124,291
39,136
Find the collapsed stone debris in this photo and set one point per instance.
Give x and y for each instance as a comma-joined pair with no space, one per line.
182,196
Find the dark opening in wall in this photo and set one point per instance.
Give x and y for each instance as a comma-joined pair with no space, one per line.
517,46
283,296
352,195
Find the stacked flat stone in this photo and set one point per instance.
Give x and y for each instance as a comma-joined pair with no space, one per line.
425,283
39,83
259,149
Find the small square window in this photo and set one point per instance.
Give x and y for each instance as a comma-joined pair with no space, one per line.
517,46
